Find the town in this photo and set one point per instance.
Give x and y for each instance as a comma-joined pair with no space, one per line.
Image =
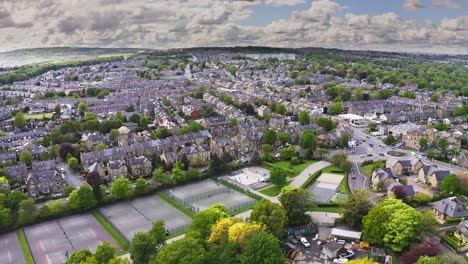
208,152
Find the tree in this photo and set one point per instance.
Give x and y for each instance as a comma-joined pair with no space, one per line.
67,190
5,218
117,260
429,225
422,198
450,184
365,260
53,152
135,118
177,172
272,215
297,202
423,143
256,159
340,159
113,135
262,248
427,259
79,256
130,108
372,127
184,251
443,144
74,164
27,212
140,186
429,248
390,140
392,223
356,206
143,122
335,108
308,140
281,109
278,176
19,121
105,252
434,97
191,128
162,133
288,153
67,148
239,233
233,122
15,198
101,146
225,253
345,137
82,198
158,233
143,248
304,118
203,221
269,137
161,177
26,157
284,137
327,123
82,108
121,188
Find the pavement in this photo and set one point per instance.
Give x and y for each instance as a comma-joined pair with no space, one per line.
305,174
73,178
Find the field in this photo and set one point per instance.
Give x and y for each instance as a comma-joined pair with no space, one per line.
38,116
297,169
273,190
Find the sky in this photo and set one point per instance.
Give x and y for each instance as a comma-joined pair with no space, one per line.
433,26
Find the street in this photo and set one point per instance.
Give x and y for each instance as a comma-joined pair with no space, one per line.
72,178
361,181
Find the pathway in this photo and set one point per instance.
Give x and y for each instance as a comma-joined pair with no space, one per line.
304,175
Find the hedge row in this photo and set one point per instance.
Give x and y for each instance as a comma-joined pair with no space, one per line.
311,179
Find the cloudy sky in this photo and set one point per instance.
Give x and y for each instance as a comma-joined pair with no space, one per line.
395,25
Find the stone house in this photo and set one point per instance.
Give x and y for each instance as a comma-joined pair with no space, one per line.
382,175
263,110
124,136
8,156
48,182
91,140
197,155
462,232
169,157
219,146
451,207
216,121
406,167
44,165
277,123
117,169
408,190
431,174
140,166
98,168
16,173
412,138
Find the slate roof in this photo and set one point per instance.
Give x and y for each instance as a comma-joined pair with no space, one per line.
43,176
463,227
16,171
384,173
43,165
452,207
137,160
115,164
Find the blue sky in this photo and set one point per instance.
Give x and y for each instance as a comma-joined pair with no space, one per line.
391,25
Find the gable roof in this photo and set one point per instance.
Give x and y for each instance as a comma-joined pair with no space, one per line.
451,207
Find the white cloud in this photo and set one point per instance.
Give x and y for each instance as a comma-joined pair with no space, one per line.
413,4
449,4
284,2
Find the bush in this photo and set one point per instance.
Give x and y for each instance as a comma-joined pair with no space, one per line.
295,161
454,220
367,162
404,181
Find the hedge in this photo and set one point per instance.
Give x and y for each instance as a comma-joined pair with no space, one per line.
454,220
269,165
311,179
450,242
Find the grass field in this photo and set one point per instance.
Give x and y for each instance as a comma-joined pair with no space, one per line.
332,209
297,169
344,184
114,234
333,169
368,169
24,246
273,190
38,116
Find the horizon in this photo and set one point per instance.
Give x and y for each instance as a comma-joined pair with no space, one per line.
409,26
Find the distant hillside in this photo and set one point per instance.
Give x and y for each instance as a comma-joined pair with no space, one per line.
44,55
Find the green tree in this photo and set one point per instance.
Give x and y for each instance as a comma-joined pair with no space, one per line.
390,140
184,251
443,144
269,137
74,164
203,221
101,146
304,118
130,108
335,108
162,133
422,198
158,233
135,118
53,152
233,122
297,202
450,184
281,109
140,186
19,121
340,159
272,215
26,157
144,122
113,135
429,225
284,137
225,253
67,190
160,176
15,198
5,218
434,97
356,206
121,188
82,198
177,172
288,153
327,123
105,252
429,260
262,248
308,140
27,212
392,223
423,143
79,256
278,176
143,248
358,94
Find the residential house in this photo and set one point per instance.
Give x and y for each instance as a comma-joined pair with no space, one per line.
384,175
451,207
431,174
8,156
263,110
169,157
98,168
117,169
124,136
16,173
406,167
412,138
408,190
197,155
92,139
278,124
216,121
140,166
220,146
462,232
48,182
43,165
331,249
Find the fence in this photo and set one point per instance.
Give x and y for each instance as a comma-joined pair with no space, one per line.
198,196
113,226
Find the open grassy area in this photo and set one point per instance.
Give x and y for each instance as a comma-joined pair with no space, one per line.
273,190
332,209
333,169
295,169
114,234
24,246
344,188
176,205
368,169
38,116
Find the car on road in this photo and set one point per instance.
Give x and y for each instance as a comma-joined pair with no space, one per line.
348,255
371,145
363,140
369,155
353,177
305,242
368,137
363,155
381,154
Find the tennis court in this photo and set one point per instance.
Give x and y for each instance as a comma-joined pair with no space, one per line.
325,187
10,249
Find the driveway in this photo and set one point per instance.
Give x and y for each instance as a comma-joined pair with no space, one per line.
73,178
304,175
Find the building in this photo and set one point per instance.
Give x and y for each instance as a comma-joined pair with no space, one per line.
451,207
98,168
403,167
263,111
45,183
17,173
331,249
382,178
431,174
462,232
117,169
140,166
412,138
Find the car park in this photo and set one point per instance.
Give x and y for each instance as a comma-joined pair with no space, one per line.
305,242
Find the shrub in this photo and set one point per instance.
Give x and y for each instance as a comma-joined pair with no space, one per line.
295,161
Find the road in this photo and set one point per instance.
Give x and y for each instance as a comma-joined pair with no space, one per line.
72,178
361,181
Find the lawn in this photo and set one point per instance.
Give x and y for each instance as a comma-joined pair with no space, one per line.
114,234
368,169
331,209
38,116
297,169
344,185
24,246
333,169
273,190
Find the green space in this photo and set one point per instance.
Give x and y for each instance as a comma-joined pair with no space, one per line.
333,169
344,188
331,209
38,116
273,190
293,169
453,241
176,205
24,246
123,244
368,169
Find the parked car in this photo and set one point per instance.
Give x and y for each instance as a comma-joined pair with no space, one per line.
353,177
348,255
340,260
381,154
369,155
305,242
